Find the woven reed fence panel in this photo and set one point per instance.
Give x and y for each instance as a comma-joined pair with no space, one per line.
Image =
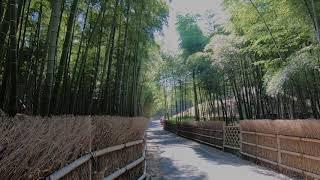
289,146
232,137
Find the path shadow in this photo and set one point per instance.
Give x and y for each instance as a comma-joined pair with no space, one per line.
170,171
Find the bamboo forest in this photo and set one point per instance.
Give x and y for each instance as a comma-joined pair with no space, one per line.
77,57
262,64
159,89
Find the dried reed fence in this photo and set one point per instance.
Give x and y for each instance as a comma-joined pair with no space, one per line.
35,147
290,146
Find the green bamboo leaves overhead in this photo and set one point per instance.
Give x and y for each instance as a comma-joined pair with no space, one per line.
263,63
76,56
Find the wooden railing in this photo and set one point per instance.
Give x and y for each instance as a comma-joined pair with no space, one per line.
227,137
271,149
88,158
286,153
207,136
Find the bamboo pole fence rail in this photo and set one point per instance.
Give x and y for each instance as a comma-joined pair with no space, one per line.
75,164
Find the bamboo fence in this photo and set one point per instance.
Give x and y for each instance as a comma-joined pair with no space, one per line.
90,157
221,137
232,137
289,154
293,155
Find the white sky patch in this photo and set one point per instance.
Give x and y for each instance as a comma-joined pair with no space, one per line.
169,40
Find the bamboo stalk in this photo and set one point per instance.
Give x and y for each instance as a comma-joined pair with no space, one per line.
125,169
67,169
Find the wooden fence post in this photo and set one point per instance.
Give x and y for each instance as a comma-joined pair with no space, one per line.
90,150
240,140
145,155
177,129
257,143
279,151
224,135
90,169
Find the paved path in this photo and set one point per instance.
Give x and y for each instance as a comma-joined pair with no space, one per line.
171,157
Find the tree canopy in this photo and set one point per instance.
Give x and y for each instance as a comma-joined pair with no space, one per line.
263,63
77,56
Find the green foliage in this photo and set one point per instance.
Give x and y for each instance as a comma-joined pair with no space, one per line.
300,65
264,62
192,39
98,64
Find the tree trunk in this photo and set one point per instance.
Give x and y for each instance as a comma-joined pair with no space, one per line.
12,109
94,74
1,11
122,60
106,106
38,74
196,109
51,55
316,20
4,28
64,56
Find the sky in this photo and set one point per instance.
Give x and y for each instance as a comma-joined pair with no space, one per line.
169,40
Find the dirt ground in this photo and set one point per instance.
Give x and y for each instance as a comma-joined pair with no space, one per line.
170,157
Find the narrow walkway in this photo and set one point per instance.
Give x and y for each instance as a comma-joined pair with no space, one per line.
170,157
